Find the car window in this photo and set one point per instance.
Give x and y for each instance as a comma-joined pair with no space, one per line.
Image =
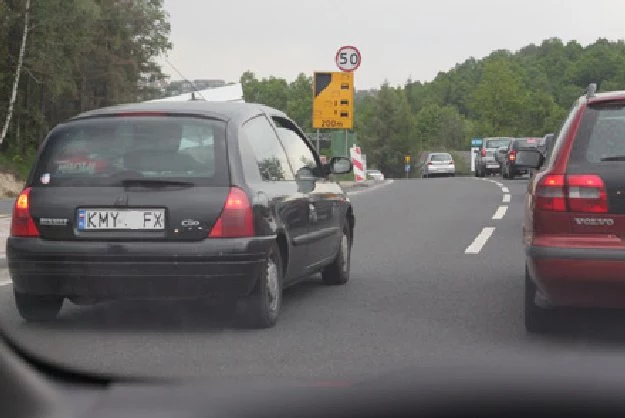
441,157
298,152
496,143
601,135
270,155
103,151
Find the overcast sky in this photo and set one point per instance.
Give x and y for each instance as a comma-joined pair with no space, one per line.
398,39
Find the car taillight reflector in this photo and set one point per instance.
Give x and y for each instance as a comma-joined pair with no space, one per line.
236,219
576,193
22,224
483,152
512,155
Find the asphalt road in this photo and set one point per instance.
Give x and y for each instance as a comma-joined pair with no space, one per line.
428,283
6,206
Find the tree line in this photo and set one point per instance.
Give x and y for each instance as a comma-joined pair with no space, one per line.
62,57
523,93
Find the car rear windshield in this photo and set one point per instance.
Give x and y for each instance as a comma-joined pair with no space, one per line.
107,150
496,143
441,157
601,135
526,143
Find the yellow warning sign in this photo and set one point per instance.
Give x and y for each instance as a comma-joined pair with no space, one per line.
333,100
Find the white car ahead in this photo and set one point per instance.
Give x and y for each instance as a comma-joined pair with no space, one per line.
375,175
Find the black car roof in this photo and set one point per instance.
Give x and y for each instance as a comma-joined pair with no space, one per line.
227,111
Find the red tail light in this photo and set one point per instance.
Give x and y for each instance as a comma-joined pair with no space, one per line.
236,219
587,193
576,193
483,152
452,162
512,155
430,163
550,193
22,224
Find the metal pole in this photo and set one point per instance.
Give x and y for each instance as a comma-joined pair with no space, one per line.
346,147
318,151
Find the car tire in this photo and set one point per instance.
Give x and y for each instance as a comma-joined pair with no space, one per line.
537,319
337,273
262,307
37,308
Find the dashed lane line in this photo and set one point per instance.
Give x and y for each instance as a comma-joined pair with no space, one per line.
479,241
506,198
505,190
500,212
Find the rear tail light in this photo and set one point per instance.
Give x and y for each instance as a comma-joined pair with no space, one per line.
430,163
483,152
452,162
512,155
22,224
587,193
584,193
236,219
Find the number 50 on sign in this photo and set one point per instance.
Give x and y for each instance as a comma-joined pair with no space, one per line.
348,58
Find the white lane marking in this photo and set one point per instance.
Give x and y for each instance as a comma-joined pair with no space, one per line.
480,240
498,184
501,211
368,189
506,198
505,190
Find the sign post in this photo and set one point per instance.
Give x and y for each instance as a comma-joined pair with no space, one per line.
333,94
476,144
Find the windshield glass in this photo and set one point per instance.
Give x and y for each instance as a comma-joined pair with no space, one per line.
440,157
187,187
496,143
102,152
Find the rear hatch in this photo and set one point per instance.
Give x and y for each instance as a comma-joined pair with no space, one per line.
598,157
441,161
493,145
152,177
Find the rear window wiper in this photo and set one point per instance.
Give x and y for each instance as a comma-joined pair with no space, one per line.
614,158
155,183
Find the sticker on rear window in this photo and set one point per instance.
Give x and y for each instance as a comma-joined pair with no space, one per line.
45,178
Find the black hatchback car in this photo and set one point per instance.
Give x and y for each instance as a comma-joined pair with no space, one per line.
177,200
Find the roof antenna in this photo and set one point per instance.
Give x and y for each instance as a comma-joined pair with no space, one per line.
194,92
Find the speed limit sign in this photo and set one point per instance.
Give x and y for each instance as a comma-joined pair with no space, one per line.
348,58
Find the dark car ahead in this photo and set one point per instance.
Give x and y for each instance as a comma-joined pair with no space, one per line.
574,227
509,168
177,200
486,161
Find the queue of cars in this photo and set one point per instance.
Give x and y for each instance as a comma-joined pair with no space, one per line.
178,200
497,155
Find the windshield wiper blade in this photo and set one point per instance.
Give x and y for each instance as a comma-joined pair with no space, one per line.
614,158
155,183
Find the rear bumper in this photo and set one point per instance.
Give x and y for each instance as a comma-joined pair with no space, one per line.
580,277
137,270
432,172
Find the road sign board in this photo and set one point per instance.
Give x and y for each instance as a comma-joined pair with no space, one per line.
407,159
333,100
476,142
348,58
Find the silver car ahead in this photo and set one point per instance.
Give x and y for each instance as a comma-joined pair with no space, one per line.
438,164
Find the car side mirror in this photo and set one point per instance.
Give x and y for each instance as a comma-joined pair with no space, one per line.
340,165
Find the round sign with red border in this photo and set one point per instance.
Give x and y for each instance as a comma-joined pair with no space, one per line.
348,58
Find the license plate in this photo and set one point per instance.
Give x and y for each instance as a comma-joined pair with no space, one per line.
492,166
121,219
